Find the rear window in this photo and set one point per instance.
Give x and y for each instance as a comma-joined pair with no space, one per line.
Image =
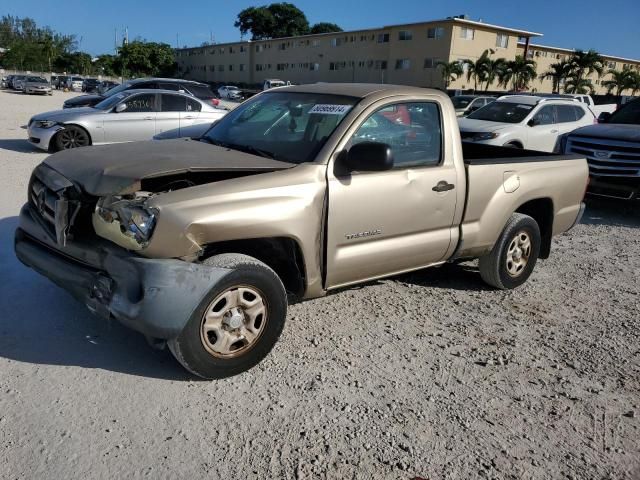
201,91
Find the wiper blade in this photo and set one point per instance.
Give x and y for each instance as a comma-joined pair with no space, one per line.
254,150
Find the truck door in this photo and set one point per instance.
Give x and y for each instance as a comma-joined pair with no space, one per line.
380,223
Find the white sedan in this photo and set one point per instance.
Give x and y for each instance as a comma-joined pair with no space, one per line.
525,121
230,92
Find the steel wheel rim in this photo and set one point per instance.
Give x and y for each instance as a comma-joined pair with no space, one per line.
234,321
518,253
73,138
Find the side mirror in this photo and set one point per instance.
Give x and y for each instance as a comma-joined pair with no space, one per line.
121,107
368,157
533,122
604,117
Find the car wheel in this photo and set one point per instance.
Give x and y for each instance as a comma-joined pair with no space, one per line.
238,322
511,261
72,137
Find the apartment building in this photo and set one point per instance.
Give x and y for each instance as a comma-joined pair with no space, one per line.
405,54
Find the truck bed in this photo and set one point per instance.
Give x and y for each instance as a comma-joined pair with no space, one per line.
480,154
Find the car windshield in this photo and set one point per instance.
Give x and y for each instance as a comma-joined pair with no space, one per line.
117,89
629,114
503,112
201,91
77,79
287,126
461,101
36,79
111,101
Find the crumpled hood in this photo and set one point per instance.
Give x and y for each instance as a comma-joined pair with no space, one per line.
470,125
119,168
613,131
65,115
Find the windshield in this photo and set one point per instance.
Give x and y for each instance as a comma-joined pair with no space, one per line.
503,112
286,126
36,79
629,114
116,89
111,101
77,79
461,102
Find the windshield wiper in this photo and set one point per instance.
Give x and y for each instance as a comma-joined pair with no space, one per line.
240,148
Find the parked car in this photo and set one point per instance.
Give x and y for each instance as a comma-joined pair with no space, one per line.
17,82
38,85
90,85
584,98
270,83
106,85
525,121
198,242
466,104
7,81
230,92
74,83
197,89
612,148
125,117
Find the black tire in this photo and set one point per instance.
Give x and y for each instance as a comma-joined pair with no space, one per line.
189,348
498,268
72,137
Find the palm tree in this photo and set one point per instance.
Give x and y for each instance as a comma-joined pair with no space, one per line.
493,69
634,82
619,81
584,64
558,73
576,84
478,69
519,72
450,71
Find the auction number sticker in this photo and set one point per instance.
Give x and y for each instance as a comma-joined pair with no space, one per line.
330,109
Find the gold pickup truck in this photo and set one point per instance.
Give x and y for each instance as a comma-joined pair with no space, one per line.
301,190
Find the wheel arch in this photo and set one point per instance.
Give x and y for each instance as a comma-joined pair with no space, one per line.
282,254
52,142
541,210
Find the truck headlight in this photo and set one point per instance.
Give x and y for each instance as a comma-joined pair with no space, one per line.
125,221
45,123
478,137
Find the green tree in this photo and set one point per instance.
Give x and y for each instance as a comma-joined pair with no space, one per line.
325,27
146,59
577,84
477,69
493,69
450,71
107,65
276,20
558,73
586,63
518,73
620,80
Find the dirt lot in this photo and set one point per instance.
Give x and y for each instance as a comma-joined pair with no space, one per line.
429,374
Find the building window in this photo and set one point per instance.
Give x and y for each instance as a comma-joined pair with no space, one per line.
314,67
221,68
502,40
230,49
467,33
435,32
282,46
221,49
381,65
431,62
258,67
259,48
403,64
231,68
242,49
212,68
405,35
383,38
611,64
241,67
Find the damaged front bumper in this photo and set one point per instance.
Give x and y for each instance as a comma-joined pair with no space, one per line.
153,296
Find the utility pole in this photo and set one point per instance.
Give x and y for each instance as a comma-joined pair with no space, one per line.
177,40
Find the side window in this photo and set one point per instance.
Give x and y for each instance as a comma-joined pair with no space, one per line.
193,106
144,85
412,130
580,112
566,113
544,115
141,103
173,103
169,86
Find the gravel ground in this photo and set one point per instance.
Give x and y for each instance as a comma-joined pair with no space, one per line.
429,374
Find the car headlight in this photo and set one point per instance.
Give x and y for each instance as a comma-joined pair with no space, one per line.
127,222
478,137
45,123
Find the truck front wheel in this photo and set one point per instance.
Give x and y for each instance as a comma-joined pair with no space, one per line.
238,322
511,261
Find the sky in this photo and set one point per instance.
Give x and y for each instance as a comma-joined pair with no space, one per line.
610,27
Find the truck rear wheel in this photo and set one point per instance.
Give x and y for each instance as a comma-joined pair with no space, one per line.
511,261
238,322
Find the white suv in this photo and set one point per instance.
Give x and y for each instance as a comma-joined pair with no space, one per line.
524,121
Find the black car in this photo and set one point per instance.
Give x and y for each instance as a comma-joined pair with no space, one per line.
90,85
106,85
197,89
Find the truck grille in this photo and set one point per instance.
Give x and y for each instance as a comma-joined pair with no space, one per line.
610,158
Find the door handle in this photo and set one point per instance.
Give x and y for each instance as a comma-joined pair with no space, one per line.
148,118
443,186
190,117
554,131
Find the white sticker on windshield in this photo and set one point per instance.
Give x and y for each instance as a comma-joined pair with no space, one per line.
330,109
526,107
